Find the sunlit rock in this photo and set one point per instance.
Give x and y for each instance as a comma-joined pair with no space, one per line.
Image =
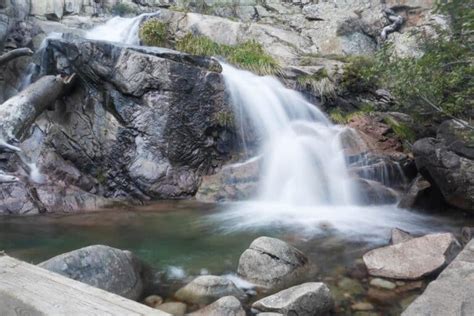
272,263
308,299
412,259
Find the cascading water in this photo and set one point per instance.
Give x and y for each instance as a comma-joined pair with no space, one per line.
118,29
304,162
305,183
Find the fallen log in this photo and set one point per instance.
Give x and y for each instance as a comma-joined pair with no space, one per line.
19,112
19,52
396,20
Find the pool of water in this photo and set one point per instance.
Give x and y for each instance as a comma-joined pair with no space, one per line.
185,238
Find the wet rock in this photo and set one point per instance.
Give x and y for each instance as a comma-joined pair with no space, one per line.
417,194
228,305
414,258
372,192
383,284
447,161
452,292
104,267
351,286
272,263
398,236
153,300
381,296
232,183
307,299
207,289
173,308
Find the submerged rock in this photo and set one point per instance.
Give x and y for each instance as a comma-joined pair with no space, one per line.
308,299
228,306
104,267
208,288
272,263
414,258
447,161
173,308
372,192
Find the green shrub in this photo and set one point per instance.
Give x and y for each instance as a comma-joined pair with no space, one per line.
360,74
249,55
401,129
122,9
154,33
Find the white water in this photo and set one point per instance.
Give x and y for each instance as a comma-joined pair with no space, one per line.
305,185
118,29
304,164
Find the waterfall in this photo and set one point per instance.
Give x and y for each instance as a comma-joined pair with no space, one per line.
304,163
118,29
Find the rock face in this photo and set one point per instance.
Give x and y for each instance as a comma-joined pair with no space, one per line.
107,268
228,305
452,292
208,288
231,183
308,299
412,259
447,161
272,263
141,123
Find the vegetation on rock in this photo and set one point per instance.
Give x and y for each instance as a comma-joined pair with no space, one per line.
439,82
248,55
122,9
154,33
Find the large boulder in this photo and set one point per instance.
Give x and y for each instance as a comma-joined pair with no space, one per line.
452,293
208,288
272,263
228,305
51,9
308,299
414,258
104,267
141,123
447,161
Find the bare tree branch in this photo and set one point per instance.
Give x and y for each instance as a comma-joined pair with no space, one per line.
19,52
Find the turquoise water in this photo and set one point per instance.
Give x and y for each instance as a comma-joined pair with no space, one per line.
180,236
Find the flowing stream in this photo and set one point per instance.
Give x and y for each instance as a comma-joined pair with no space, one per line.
305,183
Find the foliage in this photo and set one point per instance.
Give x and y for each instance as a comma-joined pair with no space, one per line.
319,83
122,9
360,74
249,55
400,129
339,117
154,33
440,81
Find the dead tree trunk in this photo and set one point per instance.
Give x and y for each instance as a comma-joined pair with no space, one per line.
19,52
396,20
20,111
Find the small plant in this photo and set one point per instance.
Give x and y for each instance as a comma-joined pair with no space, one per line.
400,129
360,74
319,83
122,9
154,33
